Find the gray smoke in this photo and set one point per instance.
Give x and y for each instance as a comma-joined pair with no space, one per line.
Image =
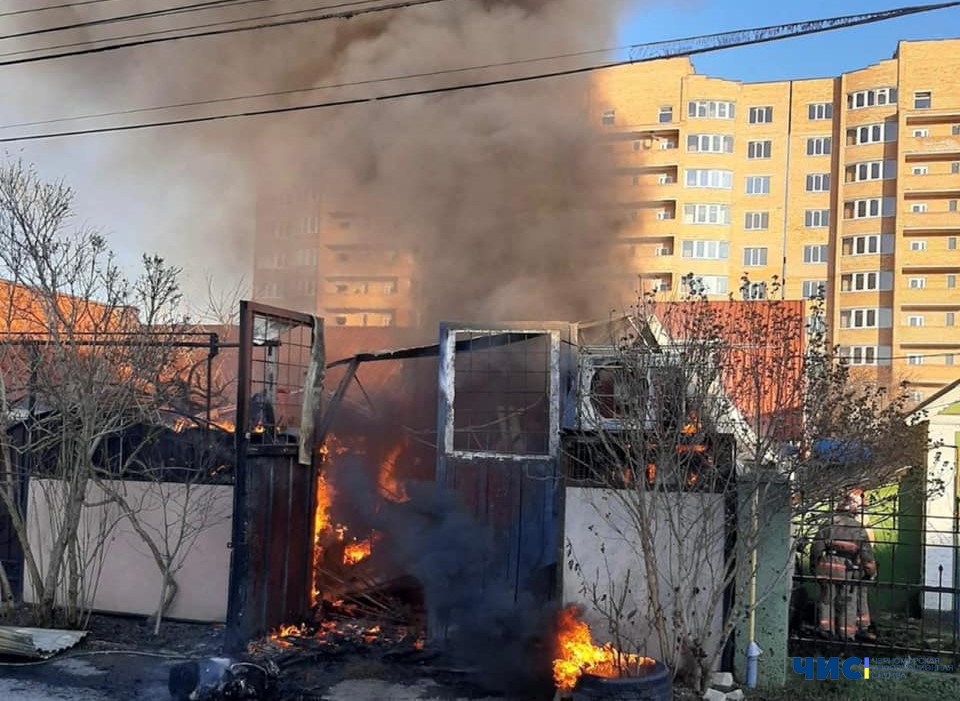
496,189
498,626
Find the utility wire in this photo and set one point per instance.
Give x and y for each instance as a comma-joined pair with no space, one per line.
686,47
63,6
132,17
315,88
138,41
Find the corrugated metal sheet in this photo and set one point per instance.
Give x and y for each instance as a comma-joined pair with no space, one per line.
37,643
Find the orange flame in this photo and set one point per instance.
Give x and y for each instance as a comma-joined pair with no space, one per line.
578,655
390,488
357,552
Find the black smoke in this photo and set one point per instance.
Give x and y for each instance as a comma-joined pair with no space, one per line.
498,628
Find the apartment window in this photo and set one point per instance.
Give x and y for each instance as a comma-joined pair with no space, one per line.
915,360
871,98
915,320
869,245
713,284
754,290
921,133
665,115
951,281
710,109
759,149
608,118
816,218
951,243
920,170
820,110
819,146
866,318
709,143
760,115
951,205
948,359
754,257
269,290
818,182
950,318
918,245
712,179
871,170
918,207
758,185
815,254
922,100
955,130
706,214
705,250
872,134
813,289
870,208
867,281
756,221
917,283
955,167
860,355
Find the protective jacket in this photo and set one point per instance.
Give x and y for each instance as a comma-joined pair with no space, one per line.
842,550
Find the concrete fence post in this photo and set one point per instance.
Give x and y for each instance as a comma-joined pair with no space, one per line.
774,577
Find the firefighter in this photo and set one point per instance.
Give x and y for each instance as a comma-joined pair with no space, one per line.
842,559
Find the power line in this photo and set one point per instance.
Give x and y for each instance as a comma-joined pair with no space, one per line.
346,14
134,16
680,47
316,88
62,6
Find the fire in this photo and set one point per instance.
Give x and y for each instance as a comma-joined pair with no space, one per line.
578,655
390,488
286,631
357,552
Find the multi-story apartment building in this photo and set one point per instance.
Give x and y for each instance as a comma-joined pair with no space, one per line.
849,185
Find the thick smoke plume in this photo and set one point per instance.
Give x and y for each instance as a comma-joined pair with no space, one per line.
497,189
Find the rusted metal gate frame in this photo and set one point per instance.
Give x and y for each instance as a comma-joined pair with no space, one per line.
243,621
562,358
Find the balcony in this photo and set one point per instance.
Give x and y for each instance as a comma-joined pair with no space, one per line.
623,156
930,221
918,117
932,145
939,185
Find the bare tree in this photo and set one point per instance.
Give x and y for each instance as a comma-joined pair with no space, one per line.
84,354
170,508
705,404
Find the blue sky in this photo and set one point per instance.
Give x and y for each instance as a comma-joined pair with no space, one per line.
815,56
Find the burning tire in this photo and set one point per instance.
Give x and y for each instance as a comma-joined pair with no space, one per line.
655,683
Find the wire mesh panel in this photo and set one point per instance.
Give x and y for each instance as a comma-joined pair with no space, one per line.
501,393
278,357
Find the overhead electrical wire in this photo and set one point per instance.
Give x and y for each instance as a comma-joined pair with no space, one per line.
149,38
132,17
683,47
62,6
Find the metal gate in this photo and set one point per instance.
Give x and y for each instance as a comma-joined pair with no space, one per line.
498,451
280,381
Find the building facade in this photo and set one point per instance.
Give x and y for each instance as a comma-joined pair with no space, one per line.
845,186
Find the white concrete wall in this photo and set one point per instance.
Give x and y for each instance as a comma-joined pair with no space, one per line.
939,545
689,542
129,579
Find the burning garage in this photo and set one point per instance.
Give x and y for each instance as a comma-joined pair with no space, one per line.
498,496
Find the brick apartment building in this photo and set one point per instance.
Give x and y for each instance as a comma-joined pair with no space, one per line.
847,184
